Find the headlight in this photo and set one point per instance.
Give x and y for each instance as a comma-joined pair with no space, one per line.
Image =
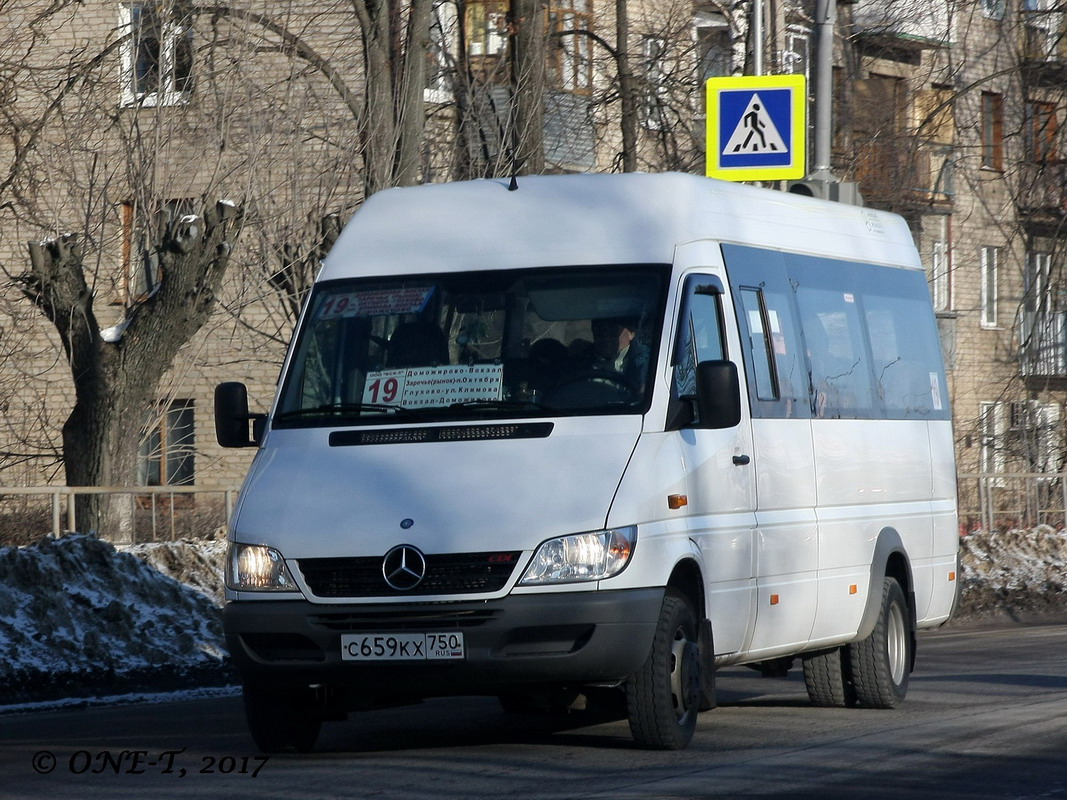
581,557
253,567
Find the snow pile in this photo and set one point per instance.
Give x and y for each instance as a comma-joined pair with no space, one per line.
81,618
194,562
79,615
1014,575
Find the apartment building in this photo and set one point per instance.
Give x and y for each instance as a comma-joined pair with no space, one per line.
120,113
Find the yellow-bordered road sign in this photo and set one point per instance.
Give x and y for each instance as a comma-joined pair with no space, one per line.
757,127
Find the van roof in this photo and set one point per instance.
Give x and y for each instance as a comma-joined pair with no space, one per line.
630,218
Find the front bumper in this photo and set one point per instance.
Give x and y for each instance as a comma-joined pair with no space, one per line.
571,638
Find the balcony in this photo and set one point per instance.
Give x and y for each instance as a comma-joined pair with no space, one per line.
903,24
903,173
1043,344
1043,46
1041,192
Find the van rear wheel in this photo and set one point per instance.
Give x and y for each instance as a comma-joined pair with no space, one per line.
881,663
282,720
663,697
827,679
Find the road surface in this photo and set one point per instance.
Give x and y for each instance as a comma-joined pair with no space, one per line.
986,717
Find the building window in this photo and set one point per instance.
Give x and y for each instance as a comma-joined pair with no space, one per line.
990,256
157,54
1039,132
441,54
571,59
941,267
796,57
991,419
992,131
654,96
486,26
167,455
141,272
1038,295
714,46
993,9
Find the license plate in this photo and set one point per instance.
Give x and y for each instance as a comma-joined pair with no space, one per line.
402,647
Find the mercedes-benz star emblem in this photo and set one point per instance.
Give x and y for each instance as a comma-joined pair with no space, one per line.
404,567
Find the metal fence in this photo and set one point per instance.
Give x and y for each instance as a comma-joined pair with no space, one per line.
987,501
148,513
1012,500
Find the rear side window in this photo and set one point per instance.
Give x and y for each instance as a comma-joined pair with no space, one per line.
905,348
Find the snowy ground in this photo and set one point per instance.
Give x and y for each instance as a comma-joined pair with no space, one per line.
83,619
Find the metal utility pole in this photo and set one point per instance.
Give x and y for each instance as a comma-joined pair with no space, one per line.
757,37
821,181
825,14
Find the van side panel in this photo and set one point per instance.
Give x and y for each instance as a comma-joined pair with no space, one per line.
869,478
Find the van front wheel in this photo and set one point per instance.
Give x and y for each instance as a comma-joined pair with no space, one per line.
663,697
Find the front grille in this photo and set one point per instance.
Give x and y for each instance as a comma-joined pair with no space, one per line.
415,617
455,433
453,573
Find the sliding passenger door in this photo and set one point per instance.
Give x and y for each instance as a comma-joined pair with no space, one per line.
787,542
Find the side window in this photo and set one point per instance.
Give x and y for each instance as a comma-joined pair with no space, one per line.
770,335
837,351
700,336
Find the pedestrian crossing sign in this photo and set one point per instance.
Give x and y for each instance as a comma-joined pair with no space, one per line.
756,127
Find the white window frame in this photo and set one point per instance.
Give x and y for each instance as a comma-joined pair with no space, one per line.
797,49
941,266
990,256
992,419
443,53
171,34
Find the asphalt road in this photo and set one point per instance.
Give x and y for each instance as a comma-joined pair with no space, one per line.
986,717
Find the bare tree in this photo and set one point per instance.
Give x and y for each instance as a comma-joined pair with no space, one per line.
116,374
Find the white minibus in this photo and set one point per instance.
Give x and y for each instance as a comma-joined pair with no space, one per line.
580,435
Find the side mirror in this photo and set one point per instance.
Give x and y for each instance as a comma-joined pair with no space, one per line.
718,394
232,417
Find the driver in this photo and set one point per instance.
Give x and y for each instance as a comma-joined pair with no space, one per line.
617,349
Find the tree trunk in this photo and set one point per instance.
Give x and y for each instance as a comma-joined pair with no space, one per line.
627,96
529,81
116,381
394,122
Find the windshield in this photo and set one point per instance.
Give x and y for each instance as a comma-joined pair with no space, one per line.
579,340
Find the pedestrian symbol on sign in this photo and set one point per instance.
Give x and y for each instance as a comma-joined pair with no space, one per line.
755,132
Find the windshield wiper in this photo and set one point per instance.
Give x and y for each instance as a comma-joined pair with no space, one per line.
342,409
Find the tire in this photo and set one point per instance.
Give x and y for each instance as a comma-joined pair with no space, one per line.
281,720
663,697
828,680
881,663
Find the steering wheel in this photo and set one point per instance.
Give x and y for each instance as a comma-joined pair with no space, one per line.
589,388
